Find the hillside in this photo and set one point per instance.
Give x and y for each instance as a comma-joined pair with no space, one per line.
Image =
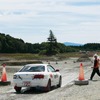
9,44
72,44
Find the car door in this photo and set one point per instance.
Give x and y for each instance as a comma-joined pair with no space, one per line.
53,74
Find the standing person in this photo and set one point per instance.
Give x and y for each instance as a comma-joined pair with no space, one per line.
95,67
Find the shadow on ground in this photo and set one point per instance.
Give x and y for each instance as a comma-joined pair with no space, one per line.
34,90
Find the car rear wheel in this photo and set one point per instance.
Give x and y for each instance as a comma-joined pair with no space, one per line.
60,82
48,87
17,89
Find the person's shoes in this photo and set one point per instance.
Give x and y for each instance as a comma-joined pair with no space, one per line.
90,79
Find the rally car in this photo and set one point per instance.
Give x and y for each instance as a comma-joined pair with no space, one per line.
37,75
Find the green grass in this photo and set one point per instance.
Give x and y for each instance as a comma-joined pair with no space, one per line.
24,58
28,56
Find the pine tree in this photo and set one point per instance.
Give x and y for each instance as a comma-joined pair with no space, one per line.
52,44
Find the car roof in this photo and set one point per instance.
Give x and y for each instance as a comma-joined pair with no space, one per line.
36,64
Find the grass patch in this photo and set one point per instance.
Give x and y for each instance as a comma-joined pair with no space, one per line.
29,56
21,62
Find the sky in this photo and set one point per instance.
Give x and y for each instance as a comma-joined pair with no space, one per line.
75,21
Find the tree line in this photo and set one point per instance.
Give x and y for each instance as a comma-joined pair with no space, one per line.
9,44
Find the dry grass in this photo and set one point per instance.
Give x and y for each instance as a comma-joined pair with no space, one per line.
25,58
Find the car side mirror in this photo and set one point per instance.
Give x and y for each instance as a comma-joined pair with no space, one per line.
57,70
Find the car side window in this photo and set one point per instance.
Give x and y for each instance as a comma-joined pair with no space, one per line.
50,68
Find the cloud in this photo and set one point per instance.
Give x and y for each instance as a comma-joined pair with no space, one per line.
67,17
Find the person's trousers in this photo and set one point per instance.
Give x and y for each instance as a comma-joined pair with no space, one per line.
95,70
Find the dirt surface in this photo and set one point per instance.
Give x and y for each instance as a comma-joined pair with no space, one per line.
69,91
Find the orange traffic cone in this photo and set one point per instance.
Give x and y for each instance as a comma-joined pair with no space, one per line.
4,75
81,80
81,72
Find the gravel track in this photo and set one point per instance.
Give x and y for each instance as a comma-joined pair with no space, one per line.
68,91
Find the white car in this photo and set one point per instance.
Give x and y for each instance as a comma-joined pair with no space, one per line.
37,75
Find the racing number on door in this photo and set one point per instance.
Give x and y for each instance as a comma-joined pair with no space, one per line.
51,69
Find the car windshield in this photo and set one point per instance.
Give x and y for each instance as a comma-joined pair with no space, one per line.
33,69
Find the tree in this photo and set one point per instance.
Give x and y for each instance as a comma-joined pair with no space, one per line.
52,47
52,38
